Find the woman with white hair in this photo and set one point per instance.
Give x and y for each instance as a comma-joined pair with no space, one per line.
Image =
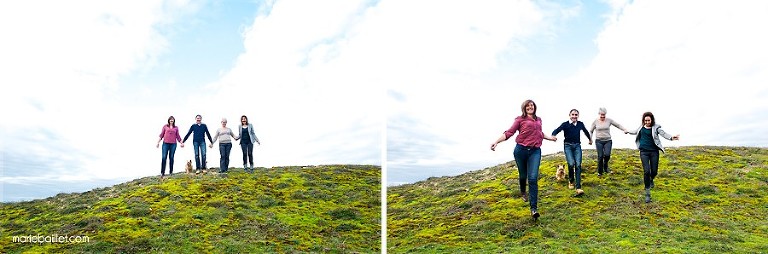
601,131
224,135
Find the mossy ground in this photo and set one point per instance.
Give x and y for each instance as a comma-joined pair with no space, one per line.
706,200
334,208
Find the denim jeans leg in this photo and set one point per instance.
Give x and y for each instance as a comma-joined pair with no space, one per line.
607,155
171,153
534,160
166,148
577,164
196,147
250,154
599,145
645,159
522,166
222,153
244,147
203,162
227,150
654,161
568,150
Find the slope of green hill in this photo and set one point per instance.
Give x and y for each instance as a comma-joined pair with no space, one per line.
706,200
334,208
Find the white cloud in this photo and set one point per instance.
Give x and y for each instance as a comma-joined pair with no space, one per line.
700,69
62,66
298,85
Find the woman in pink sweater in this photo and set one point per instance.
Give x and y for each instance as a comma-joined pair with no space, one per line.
169,135
527,151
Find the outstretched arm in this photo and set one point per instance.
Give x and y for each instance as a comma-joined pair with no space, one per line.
666,135
614,123
633,132
559,128
548,137
502,138
584,129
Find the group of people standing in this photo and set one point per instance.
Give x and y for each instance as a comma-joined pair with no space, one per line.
530,136
170,137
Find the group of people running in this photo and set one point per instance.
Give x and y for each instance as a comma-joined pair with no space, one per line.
246,134
530,137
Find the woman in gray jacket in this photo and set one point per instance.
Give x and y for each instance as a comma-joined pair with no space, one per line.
649,144
247,139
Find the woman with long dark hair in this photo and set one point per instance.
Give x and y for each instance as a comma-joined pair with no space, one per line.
649,144
247,139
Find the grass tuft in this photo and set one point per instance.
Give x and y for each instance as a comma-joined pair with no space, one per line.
705,200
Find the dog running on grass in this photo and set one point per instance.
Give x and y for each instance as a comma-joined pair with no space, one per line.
560,175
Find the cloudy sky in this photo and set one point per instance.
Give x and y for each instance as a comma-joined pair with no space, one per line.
700,66
419,87
87,86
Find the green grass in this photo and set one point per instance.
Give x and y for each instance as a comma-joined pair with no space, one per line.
333,208
706,200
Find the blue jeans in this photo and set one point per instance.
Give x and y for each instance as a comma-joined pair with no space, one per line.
199,150
247,153
603,154
573,157
650,160
168,151
528,160
224,149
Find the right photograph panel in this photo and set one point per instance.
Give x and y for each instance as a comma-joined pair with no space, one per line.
601,127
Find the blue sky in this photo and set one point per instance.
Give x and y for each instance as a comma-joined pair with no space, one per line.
419,87
93,83
699,66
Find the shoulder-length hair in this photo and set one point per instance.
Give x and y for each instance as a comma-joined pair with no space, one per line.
653,119
522,108
169,121
246,119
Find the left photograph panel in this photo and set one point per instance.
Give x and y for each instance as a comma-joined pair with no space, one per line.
189,127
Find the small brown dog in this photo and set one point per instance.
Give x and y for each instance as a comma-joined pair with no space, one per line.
560,173
189,167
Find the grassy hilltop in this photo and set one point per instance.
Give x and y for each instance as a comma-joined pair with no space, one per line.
334,208
706,200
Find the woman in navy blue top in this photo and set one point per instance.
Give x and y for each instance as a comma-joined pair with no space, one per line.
572,148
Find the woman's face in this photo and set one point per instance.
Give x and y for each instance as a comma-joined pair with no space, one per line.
530,108
574,116
602,116
172,121
647,121
243,120
223,123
